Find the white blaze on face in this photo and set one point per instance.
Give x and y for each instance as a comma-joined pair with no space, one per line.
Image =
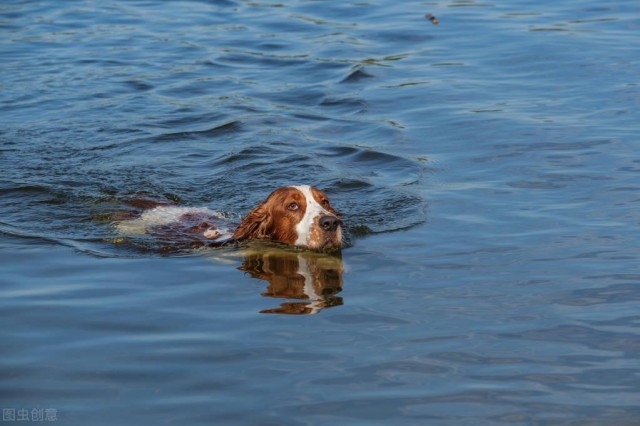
313,210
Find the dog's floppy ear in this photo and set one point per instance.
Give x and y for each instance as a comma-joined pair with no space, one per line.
254,225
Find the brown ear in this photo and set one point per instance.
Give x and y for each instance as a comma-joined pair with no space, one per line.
254,225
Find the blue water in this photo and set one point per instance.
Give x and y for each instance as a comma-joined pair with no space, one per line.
487,170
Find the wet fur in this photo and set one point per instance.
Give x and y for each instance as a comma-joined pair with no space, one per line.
271,220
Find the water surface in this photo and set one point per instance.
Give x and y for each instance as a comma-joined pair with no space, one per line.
486,168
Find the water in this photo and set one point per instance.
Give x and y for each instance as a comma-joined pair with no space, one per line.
486,168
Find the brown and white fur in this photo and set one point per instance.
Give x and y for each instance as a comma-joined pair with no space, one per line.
295,215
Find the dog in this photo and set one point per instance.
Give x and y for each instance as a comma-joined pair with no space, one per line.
300,216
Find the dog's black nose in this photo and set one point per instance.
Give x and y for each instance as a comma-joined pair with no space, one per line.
329,223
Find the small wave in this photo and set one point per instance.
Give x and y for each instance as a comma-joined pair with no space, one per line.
358,73
230,127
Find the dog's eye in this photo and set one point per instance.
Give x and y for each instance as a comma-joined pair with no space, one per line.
325,203
293,206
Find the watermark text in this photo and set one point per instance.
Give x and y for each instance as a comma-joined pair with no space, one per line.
29,414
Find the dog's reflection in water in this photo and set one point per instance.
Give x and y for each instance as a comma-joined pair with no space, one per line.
310,281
